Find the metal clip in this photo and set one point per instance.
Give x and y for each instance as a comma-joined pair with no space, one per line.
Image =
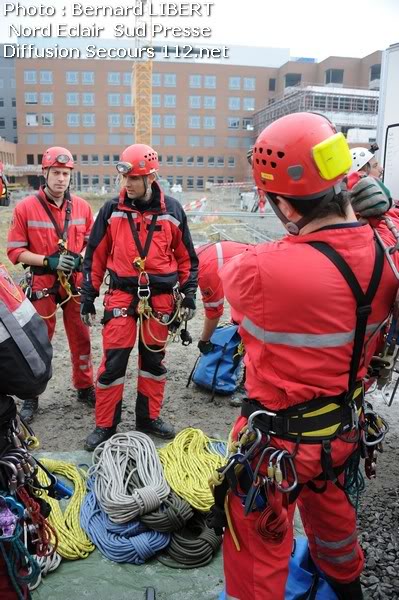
119,312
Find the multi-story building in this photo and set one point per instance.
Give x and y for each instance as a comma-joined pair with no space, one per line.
8,111
202,112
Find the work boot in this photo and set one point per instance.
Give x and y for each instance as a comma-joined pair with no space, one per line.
156,426
98,436
29,408
87,396
347,591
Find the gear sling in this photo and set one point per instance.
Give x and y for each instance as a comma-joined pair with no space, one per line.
317,421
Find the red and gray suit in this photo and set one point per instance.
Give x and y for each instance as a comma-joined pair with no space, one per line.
298,326
211,258
170,261
32,229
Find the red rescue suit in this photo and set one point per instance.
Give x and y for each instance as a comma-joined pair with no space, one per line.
298,323
32,230
170,261
211,258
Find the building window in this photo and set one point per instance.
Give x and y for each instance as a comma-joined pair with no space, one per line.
115,159
72,99
233,123
30,159
88,120
292,79
89,139
195,101
170,140
156,140
85,180
211,161
73,138
209,141
106,159
127,78
219,179
248,103
169,101
72,77
200,183
233,142
127,139
179,180
46,77
272,84
31,120
13,83
127,99
114,78
2,102
200,161
114,120
190,183
247,124
210,102
156,80
2,123
375,72
32,139
48,139
231,162
234,103
73,119
210,82
47,119
30,77
220,161
334,76
169,121
84,159
14,122
156,120
195,81
128,120
249,83
194,141
88,77
209,122
156,100
179,161
190,161
13,102
169,79
30,98
114,99
88,99
46,98
234,83
194,122
169,160
107,180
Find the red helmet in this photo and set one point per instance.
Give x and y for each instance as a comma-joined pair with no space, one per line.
300,155
57,157
138,159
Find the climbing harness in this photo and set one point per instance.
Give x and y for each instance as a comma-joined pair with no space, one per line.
264,477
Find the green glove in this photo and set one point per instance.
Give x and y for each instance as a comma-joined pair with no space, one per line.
60,262
369,198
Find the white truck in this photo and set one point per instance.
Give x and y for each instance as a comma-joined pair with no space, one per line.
388,119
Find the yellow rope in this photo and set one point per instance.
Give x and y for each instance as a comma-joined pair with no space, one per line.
188,464
73,542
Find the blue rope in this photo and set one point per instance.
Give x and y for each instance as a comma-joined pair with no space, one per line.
218,448
19,558
123,543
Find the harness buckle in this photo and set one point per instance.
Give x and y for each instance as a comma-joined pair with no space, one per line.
119,312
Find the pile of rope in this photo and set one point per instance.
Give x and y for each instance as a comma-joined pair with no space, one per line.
172,515
128,476
127,482
73,543
188,464
47,564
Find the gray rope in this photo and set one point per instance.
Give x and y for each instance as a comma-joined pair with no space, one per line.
128,476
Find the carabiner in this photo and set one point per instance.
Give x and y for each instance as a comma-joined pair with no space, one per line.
257,413
286,490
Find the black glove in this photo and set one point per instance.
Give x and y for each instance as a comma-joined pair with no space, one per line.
87,312
205,347
188,306
59,262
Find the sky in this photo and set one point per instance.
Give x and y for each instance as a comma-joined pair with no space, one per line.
309,28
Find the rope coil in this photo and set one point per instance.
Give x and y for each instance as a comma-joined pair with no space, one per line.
172,515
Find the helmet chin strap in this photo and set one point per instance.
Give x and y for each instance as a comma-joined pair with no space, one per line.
295,228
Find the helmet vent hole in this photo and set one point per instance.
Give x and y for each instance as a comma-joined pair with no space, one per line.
264,162
273,165
260,150
269,151
257,161
280,154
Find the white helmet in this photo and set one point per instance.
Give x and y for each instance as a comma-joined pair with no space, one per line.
360,157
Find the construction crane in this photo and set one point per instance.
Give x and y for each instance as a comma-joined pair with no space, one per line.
142,82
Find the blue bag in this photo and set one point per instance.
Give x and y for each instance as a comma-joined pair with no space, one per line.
305,581
219,370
